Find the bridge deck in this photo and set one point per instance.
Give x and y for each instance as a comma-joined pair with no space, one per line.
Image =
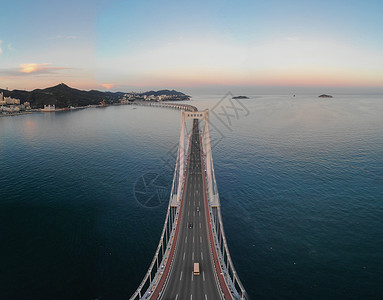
193,243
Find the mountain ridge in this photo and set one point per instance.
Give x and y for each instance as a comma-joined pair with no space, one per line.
62,96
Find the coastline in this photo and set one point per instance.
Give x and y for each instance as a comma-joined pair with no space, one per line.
16,114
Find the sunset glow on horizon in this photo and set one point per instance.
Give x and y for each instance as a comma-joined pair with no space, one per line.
123,45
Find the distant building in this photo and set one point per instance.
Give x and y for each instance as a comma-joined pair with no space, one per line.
11,101
49,108
8,100
2,102
10,108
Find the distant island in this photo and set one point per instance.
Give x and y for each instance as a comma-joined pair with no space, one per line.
240,97
62,96
325,96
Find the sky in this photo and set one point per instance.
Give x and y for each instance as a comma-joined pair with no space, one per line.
193,46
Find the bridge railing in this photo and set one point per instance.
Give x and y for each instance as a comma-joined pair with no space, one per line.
160,259
230,275
179,208
160,255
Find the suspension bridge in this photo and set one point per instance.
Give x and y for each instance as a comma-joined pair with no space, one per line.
193,232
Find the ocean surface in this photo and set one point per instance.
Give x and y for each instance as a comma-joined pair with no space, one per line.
83,196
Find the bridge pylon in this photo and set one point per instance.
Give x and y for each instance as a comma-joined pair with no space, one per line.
206,147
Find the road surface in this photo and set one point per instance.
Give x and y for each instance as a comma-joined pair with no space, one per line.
193,241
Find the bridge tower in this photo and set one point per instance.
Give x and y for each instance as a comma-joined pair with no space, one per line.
203,116
182,153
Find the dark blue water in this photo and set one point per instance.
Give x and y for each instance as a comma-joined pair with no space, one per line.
300,180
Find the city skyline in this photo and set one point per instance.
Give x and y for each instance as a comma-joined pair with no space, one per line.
193,46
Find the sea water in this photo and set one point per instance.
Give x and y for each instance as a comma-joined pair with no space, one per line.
83,196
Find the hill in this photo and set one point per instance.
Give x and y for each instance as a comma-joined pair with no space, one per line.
163,92
62,96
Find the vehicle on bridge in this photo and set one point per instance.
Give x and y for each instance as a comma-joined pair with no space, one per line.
196,269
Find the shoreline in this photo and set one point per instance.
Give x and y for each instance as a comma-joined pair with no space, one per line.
16,114
82,107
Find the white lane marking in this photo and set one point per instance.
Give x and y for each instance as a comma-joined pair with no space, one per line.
188,213
199,225
203,275
191,297
186,239
184,256
200,239
205,297
193,239
177,296
193,255
181,275
201,255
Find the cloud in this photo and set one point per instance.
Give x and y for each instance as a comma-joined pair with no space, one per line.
31,69
39,68
108,85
